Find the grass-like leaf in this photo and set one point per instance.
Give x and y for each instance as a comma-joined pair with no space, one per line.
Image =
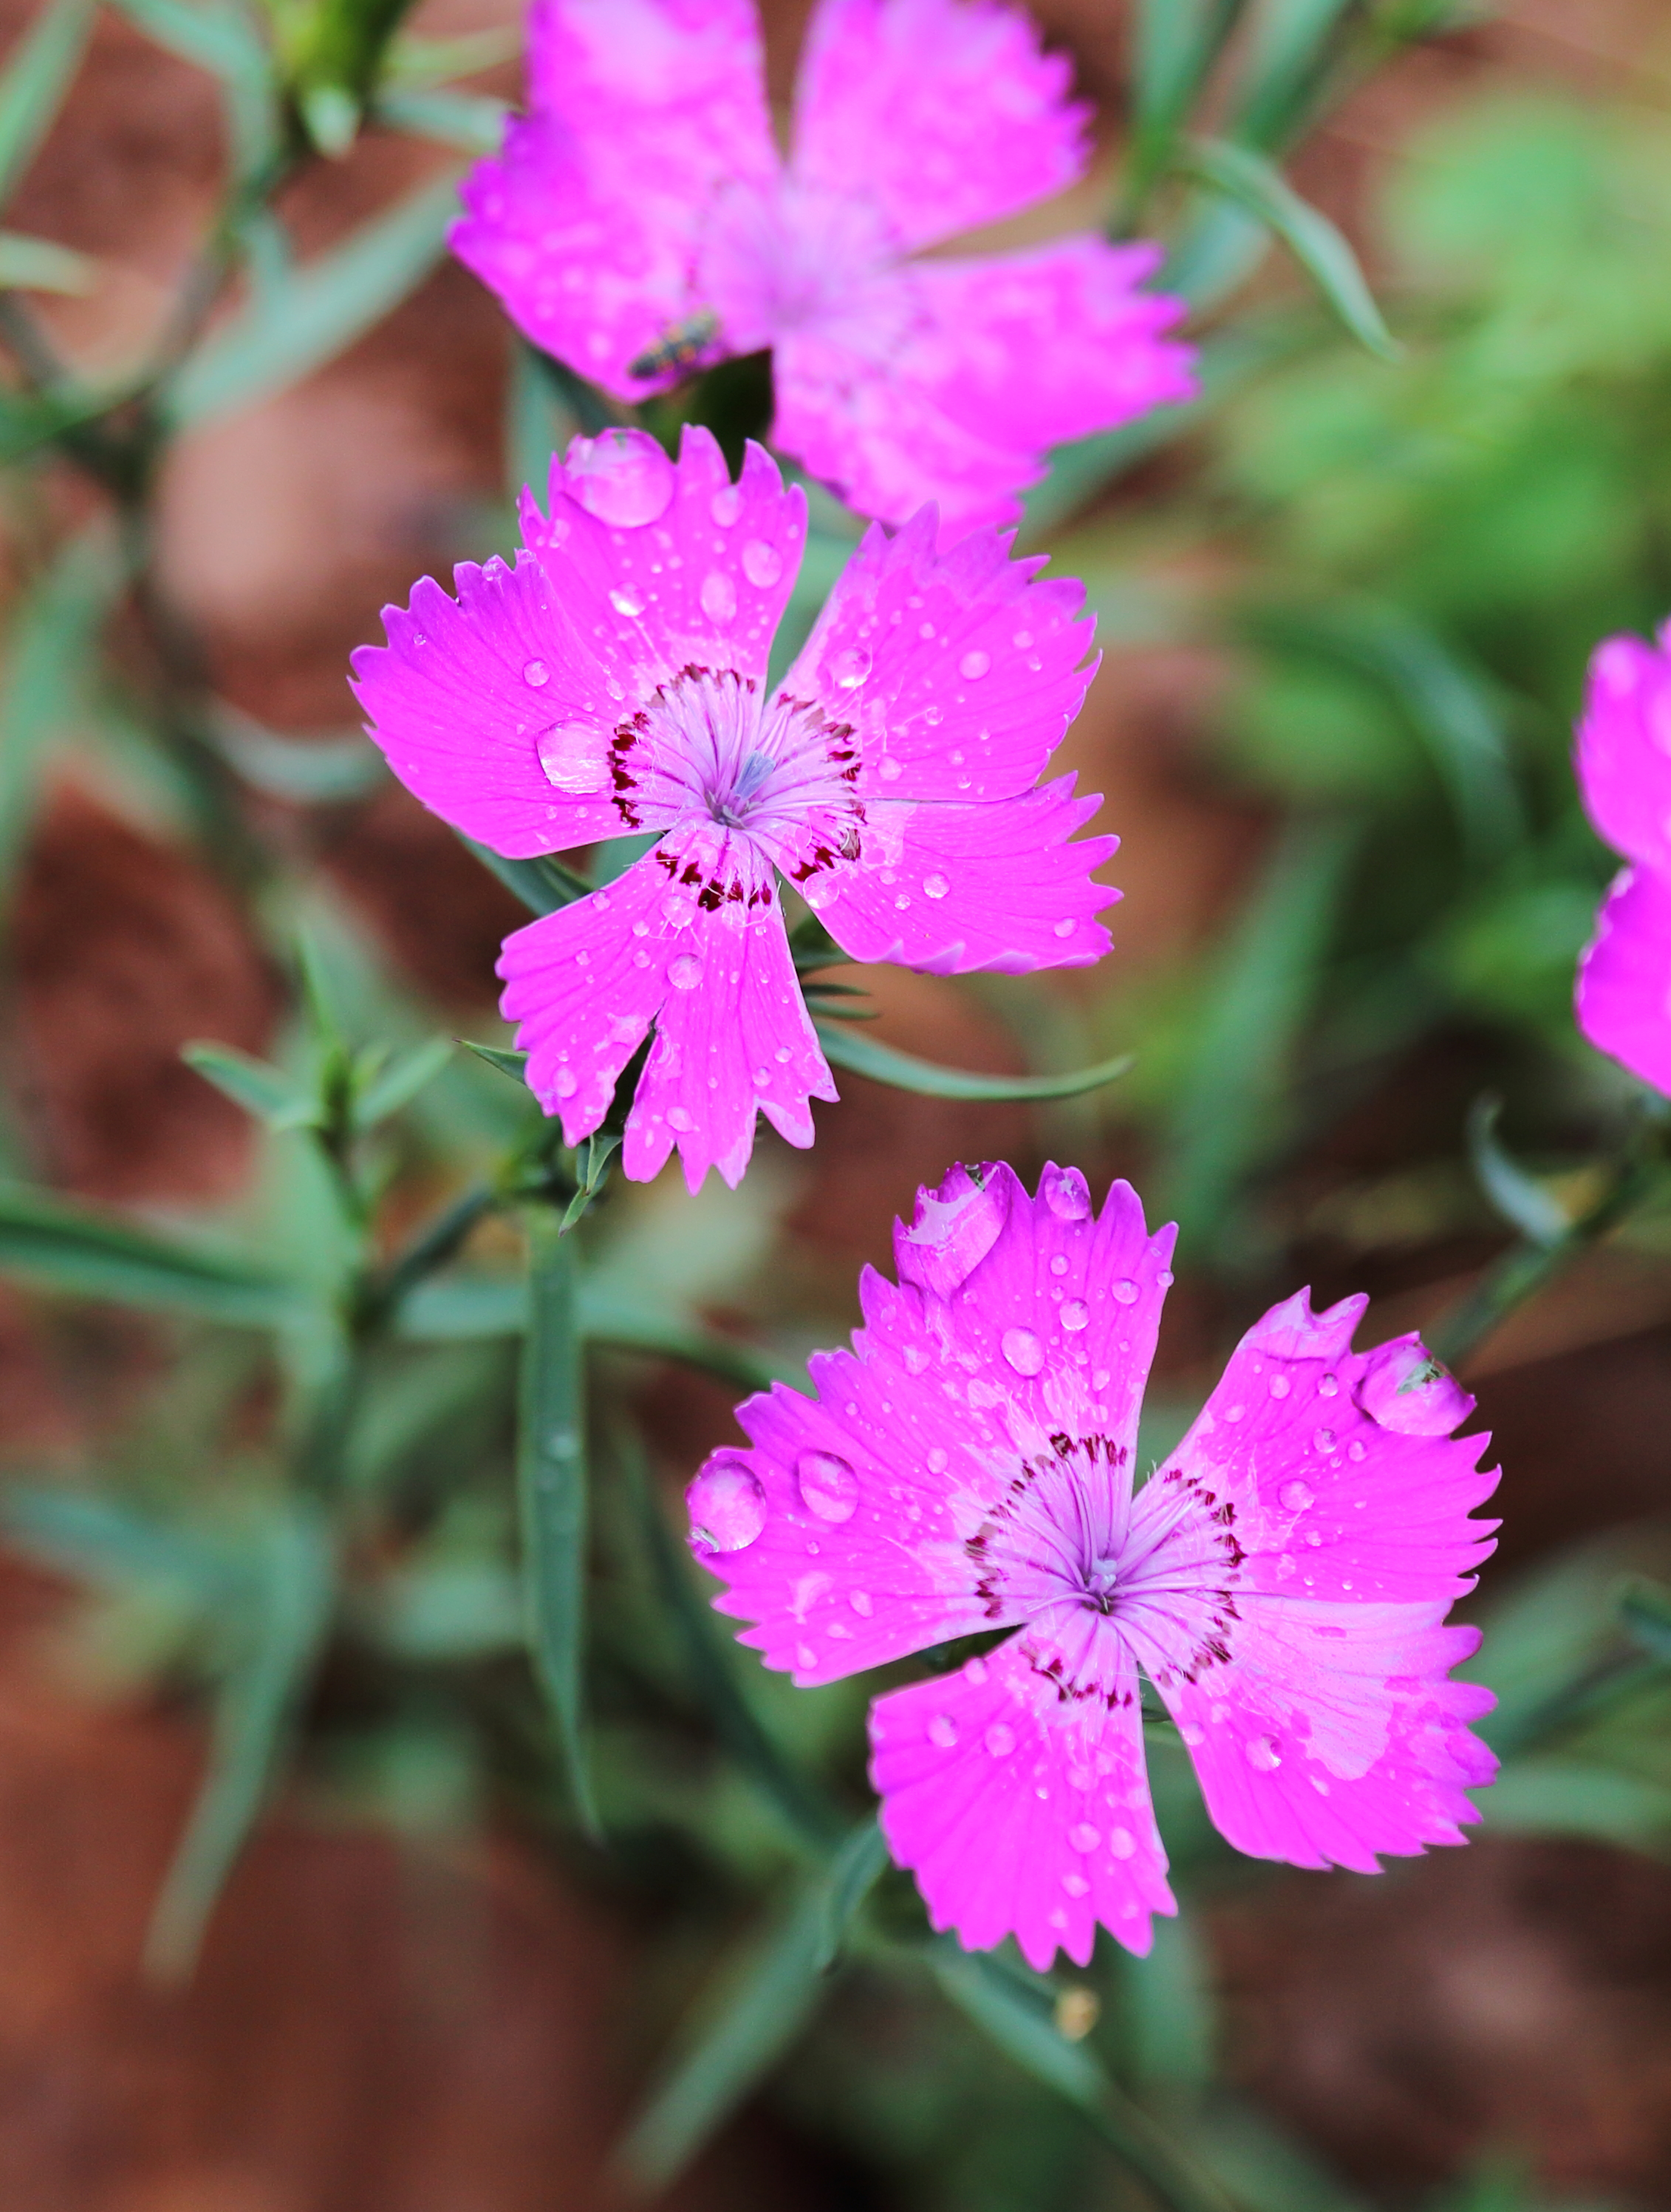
473,121
401,1081
1522,1200
32,88
36,264
44,685
261,1090
903,1071
66,1246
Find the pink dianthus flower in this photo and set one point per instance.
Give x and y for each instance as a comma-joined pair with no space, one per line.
1282,1578
1623,760
613,682
640,220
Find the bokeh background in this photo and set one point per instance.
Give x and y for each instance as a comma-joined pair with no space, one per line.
1345,609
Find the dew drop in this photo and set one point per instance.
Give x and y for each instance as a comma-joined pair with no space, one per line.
762,564
726,506
622,477
860,1602
1065,926
1126,1292
1065,1194
1084,1837
1261,1754
1000,1740
679,1119
937,1459
1076,1315
574,757
974,665
718,596
1354,1449
1076,1885
1327,1385
1192,1735
627,599
1059,1264
1122,1843
889,768
849,669
828,1486
974,1671
1234,1412
942,1732
1295,1497
935,887
727,1506
1280,1386
535,672
1323,1441
684,972
565,1082
1022,1350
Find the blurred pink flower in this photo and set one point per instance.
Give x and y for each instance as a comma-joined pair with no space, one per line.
1623,760
640,220
614,681
1283,1578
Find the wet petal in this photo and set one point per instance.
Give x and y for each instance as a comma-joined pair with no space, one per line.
1623,991
1624,749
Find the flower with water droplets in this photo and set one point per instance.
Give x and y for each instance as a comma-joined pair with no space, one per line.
1282,1579
1623,760
613,682
641,222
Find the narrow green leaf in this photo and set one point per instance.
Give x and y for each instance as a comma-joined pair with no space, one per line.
36,264
513,1064
853,1872
29,420
1230,1108
1522,1200
35,82
473,122
763,1997
401,1081
70,1247
103,1538
542,885
1646,1610
289,1610
308,771
261,1090
298,325
1255,185
551,1490
43,692
219,39
903,1071
1015,2012
593,1157
710,1667
413,61
1175,44
1294,45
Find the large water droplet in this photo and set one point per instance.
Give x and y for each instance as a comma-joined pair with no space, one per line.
622,477
974,1670
727,1506
684,972
1084,1837
565,1082
574,757
1076,1315
536,674
762,564
829,1486
1000,1740
1065,1194
850,668
1323,1440
627,599
718,596
889,768
1280,1386
935,887
861,1603
942,1732
1295,1497
1262,1754
974,665
679,1119
1076,1885
1122,1843
1126,1291
726,506
1023,1349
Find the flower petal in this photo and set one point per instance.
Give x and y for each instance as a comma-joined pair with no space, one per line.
1624,748
946,113
959,672
469,693
1285,1582
689,938
1624,992
1019,1813
645,112
952,888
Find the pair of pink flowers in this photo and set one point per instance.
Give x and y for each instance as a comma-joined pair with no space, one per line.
1624,768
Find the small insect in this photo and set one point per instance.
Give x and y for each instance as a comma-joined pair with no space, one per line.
681,345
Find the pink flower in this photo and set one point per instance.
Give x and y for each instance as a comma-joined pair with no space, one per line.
1623,760
641,222
1282,1578
613,682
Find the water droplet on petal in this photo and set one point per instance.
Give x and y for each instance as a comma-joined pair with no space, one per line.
974,1671
1122,1843
1354,1449
627,599
1262,1754
535,672
726,506
1280,1386
1327,1385
622,477
1295,1497
828,1486
942,1732
718,596
1076,1885
1065,926
727,1506
565,1082
1126,1291
849,669
937,1459
574,757
1076,1315
1000,1740
1023,1351
684,972
679,1119
762,564
974,665
1323,1441
860,1602
889,768
1065,1194
935,887
1084,1837
1192,1735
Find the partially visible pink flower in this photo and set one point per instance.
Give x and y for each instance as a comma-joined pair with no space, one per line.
1282,1579
1623,760
613,682
640,220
